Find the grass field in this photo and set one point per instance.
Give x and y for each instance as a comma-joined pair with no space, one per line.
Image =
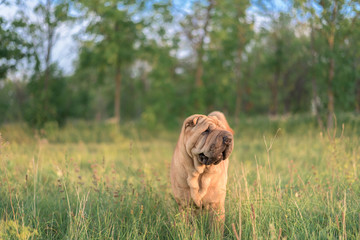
90,181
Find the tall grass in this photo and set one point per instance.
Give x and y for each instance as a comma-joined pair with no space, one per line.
101,182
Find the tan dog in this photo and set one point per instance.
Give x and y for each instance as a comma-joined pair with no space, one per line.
200,162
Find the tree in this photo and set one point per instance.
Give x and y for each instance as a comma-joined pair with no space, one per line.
196,29
351,43
42,32
58,101
331,16
233,30
115,37
13,47
52,14
355,39
316,104
280,59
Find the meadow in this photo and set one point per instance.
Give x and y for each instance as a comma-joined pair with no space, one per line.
287,180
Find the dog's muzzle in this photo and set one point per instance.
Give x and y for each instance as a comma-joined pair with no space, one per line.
218,151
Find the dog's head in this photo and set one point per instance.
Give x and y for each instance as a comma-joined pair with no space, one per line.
209,139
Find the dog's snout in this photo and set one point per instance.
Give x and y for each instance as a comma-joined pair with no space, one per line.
227,140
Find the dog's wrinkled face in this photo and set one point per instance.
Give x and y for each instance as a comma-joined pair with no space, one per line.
207,139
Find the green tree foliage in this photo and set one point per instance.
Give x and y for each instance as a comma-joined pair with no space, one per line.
334,21
232,33
46,85
157,61
285,55
115,38
13,46
58,99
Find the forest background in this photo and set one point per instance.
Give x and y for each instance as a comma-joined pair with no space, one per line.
156,62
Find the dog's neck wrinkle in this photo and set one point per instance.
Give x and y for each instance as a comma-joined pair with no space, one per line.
202,168
185,154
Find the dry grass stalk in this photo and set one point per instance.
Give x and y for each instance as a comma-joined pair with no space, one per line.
35,167
258,179
270,146
280,230
246,183
240,206
344,217
337,222
253,221
10,196
297,206
234,230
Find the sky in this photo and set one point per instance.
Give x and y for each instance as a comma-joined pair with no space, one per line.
66,47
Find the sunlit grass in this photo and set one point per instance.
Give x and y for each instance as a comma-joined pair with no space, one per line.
301,184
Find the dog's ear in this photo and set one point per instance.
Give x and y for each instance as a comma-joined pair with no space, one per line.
192,121
221,117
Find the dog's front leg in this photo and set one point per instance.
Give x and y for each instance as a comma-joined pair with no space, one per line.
205,183
197,192
217,211
193,182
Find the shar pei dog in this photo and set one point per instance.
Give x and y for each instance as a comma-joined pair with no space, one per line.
200,163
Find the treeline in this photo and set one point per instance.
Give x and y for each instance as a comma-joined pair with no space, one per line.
158,61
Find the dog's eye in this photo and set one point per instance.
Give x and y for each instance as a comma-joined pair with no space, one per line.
207,130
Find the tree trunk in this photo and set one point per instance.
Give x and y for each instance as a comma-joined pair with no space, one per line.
117,94
199,64
274,85
238,77
199,69
50,40
246,96
240,83
48,57
316,102
274,94
200,49
315,95
357,98
239,92
357,86
288,96
331,73
330,94
248,90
